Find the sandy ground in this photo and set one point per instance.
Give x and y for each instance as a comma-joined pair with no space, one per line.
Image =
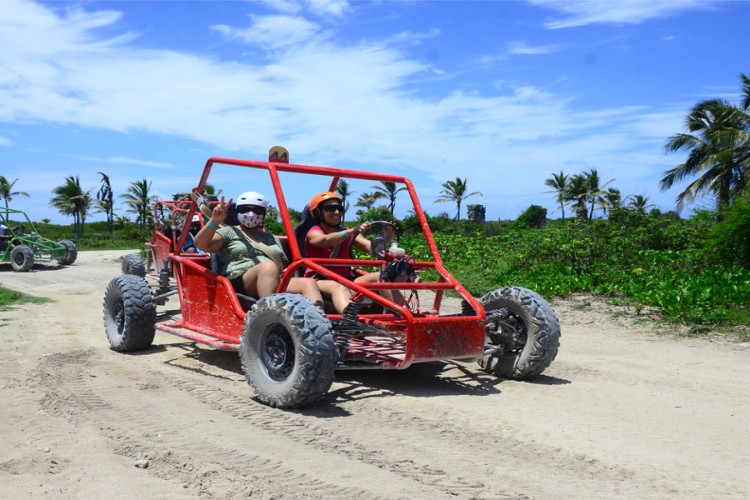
626,410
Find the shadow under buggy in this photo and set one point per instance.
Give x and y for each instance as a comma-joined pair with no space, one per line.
289,347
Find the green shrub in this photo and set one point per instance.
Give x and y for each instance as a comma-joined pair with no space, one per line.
729,239
533,217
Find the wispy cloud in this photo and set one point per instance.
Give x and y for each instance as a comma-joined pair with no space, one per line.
523,48
123,160
323,8
272,32
334,8
576,13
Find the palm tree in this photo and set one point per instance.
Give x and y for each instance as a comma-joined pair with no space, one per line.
210,191
455,191
577,193
367,200
596,192
139,200
613,200
122,220
7,193
718,147
389,191
342,188
559,184
639,203
71,200
104,199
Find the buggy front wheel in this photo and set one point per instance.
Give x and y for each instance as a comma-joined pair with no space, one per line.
287,351
129,313
22,258
522,333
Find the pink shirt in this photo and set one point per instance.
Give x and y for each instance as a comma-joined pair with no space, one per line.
325,253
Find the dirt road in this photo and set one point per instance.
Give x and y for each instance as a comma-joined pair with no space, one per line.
622,412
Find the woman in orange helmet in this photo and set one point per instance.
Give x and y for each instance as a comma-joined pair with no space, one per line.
328,238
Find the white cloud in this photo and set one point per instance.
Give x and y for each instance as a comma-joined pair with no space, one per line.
523,48
272,32
578,13
124,160
413,38
323,8
336,8
285,6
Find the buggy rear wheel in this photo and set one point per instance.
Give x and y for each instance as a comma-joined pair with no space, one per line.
287,351
71,253
22,258
523,333
129,314
133,264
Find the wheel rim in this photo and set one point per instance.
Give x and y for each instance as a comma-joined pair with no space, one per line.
516,325
19,259
508,331
118,315
278,353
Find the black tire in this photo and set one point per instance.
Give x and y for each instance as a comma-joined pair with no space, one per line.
129,314
287,351
526,327
133,264
22,258
71,254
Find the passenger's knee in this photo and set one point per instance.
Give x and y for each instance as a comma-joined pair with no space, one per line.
268,267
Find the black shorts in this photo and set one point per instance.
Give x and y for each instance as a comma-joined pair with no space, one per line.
237,284
318,276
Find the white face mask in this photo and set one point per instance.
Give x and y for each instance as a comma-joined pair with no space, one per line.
251,220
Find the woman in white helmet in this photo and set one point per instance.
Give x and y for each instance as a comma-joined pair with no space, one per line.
251,258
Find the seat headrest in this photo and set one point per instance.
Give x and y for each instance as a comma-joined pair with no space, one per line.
301,229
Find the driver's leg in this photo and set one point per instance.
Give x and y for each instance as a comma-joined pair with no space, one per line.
307,287
340,295
392,295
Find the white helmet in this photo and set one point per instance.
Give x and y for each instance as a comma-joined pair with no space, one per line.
196,218
252,198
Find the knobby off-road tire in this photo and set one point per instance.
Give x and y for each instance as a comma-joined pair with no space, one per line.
287,351
538,333
133,264
22,258
71,253
129,314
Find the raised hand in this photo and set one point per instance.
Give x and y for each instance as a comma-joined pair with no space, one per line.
220,211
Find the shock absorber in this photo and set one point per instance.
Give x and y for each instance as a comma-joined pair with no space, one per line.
164,279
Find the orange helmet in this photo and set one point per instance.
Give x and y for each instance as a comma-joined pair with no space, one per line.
321,197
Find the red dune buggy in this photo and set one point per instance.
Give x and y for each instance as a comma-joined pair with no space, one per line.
290,348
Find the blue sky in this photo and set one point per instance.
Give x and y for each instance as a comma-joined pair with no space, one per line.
501,93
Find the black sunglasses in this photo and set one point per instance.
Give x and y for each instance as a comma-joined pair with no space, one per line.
243,209
333,208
